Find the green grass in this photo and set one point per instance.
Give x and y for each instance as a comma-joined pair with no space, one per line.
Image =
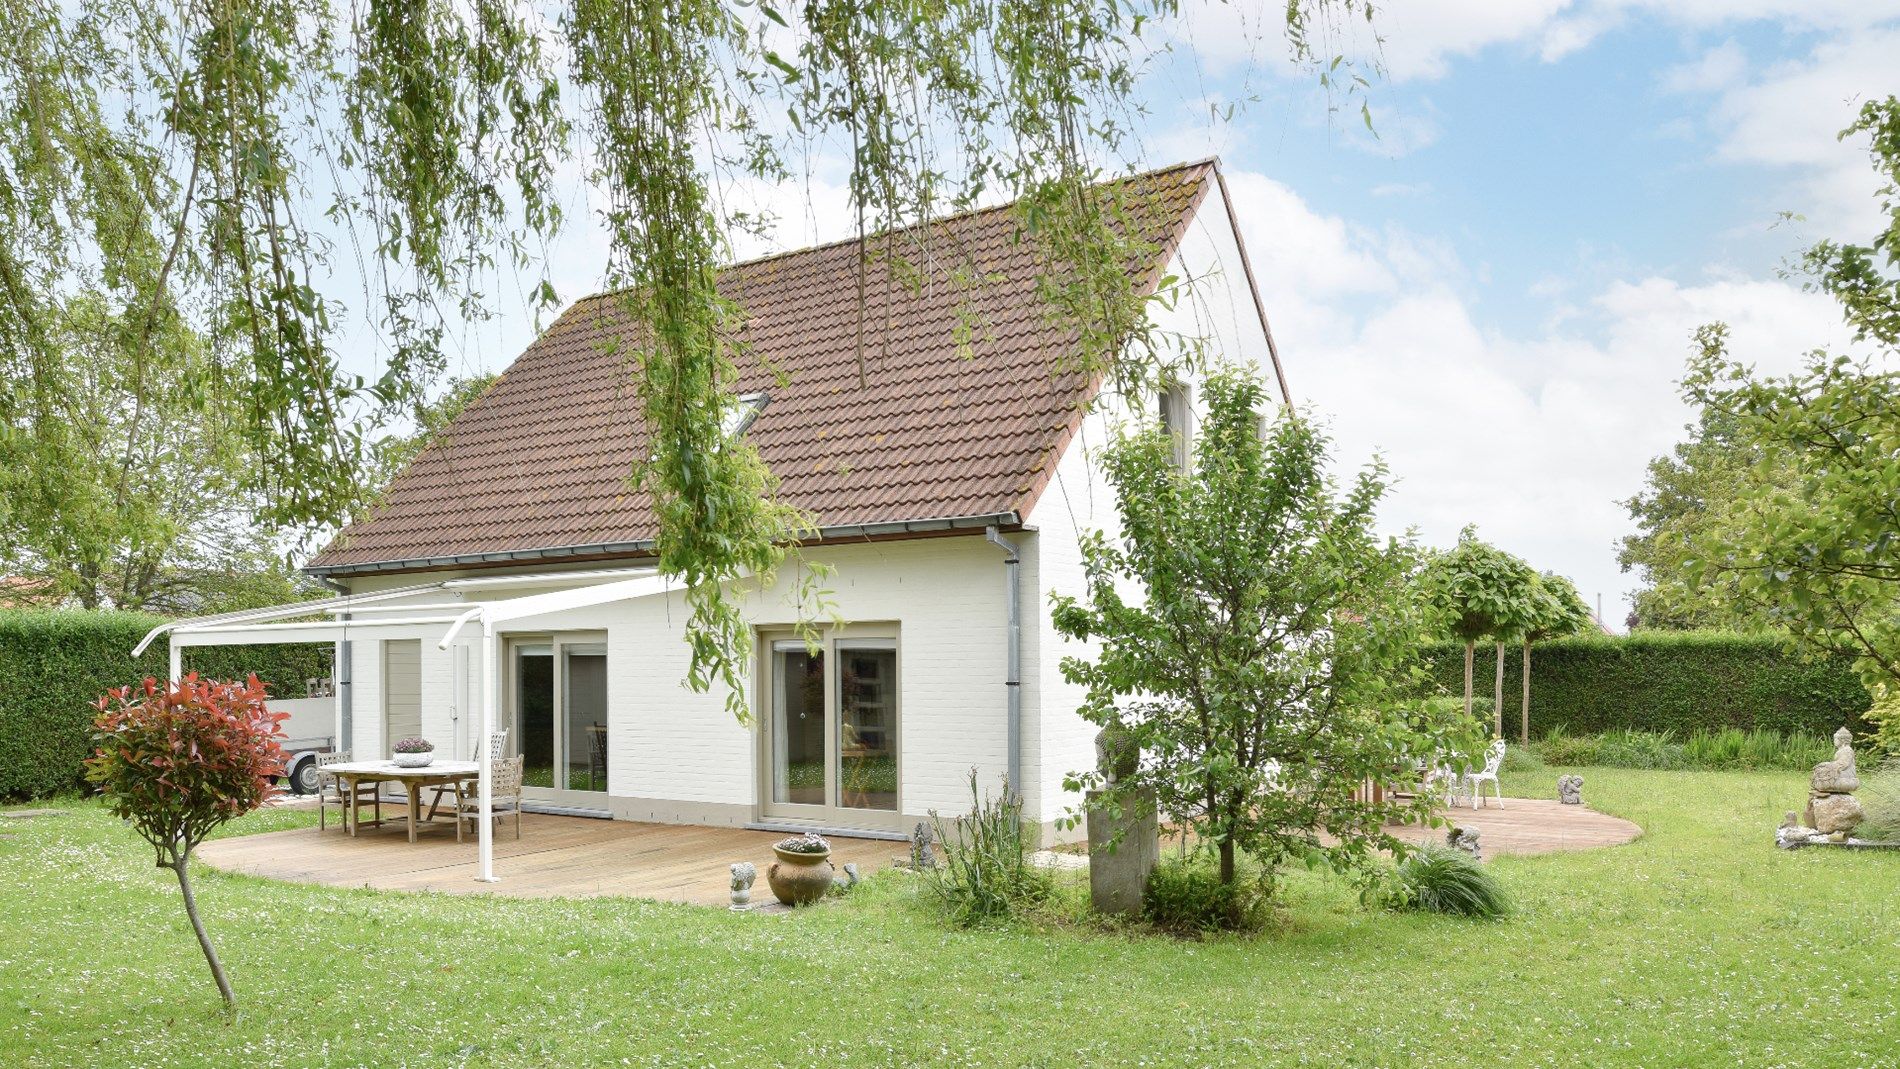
1697,945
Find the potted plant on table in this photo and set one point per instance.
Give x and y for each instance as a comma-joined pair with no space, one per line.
803,873
413,753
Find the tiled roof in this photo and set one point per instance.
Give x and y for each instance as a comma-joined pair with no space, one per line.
541,461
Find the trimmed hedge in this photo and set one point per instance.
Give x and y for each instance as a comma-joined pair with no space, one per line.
55,663
1682,682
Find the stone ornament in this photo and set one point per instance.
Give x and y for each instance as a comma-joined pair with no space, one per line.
1570,790
1832,808
1466,839
921,855
743,873
847,881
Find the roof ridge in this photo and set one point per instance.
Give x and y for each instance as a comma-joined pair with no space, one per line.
967,213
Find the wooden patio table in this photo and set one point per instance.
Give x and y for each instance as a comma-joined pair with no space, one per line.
413,780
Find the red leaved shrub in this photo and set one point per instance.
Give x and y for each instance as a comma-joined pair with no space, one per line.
175,760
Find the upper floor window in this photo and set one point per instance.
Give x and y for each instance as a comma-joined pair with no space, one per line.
745,408
1176,414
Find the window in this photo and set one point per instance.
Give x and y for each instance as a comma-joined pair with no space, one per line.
830,728
742,411
1177,419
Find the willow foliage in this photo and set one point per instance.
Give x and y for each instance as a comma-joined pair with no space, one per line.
216,161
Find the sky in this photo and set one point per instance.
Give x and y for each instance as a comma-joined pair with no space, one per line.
1496,290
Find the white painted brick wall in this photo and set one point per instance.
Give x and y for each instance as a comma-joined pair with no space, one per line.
1079,499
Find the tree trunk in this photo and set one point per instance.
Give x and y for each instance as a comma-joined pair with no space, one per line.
1226,861
1497,697
1524,706
1471,652
204,941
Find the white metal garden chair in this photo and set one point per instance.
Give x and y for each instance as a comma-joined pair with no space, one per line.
1441,781
1493,760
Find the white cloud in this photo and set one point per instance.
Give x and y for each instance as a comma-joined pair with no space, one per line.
1718,68
1534,436
1790,116
1421,39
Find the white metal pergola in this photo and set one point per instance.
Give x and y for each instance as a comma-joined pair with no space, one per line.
454,604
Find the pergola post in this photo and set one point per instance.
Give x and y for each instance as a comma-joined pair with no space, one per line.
177,661
485,782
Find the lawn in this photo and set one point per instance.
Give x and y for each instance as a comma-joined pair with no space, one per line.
1697,945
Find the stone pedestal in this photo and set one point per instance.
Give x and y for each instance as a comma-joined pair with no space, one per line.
1118,881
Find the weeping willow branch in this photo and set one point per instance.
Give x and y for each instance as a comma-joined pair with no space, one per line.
196,159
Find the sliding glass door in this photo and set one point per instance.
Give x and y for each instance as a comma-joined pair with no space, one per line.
558,691
829,729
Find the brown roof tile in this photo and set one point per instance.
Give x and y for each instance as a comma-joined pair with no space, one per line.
542,460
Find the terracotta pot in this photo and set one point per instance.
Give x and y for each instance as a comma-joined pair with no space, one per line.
800,879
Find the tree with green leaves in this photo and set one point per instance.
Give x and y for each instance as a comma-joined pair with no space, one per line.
1479,591
1690,497
1254,638
131,493
220,164
1815,541
1556,610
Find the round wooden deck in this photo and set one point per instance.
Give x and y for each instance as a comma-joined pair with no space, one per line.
556,856
1532,826
583,858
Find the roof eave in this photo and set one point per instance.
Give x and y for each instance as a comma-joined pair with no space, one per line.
645,546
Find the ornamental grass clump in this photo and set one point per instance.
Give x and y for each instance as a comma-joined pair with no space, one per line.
986,874
175,760
1438,879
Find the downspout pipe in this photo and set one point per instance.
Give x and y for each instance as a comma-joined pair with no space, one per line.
1013,678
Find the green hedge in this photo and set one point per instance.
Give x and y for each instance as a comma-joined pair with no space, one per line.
1681,682
55,664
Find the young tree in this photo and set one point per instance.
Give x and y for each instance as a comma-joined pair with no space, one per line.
1819,550
1479,590
1556,610
176,760
1689,497
1262,665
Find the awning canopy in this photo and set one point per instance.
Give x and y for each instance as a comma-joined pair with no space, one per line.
452,604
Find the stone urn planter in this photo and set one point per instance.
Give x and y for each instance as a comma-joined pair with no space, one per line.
803,873
413,753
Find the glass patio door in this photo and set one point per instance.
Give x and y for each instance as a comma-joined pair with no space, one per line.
830,731
558,689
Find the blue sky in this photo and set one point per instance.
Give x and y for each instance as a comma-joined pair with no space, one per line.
1498,292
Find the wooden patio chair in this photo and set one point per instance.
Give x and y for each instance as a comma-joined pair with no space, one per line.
330,792
505,797
497,743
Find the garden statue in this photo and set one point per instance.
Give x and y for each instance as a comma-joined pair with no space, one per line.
921,855
1117,754
1832,808
847,881
1570,790
1466,839
743,873
1791,835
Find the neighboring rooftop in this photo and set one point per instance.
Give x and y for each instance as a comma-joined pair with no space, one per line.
540,463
